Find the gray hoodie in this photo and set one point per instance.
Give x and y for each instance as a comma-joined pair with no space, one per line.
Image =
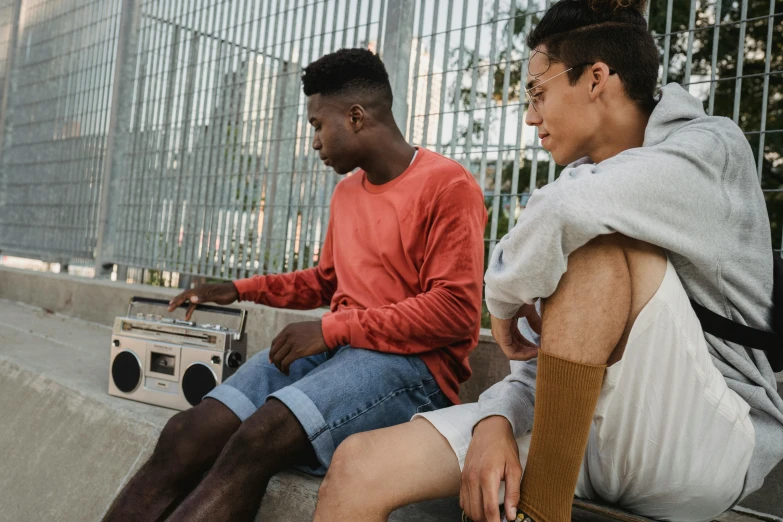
691,189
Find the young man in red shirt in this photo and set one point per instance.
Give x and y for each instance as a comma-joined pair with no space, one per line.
401,271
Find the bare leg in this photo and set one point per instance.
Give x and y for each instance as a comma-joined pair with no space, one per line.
609,281
270,440
585,326
188,445
376,472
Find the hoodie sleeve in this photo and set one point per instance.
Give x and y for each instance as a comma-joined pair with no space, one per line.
669,195
514,396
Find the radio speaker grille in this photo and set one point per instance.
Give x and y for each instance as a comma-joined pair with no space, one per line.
197,382
126,371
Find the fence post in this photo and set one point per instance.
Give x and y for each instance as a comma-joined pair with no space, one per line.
397,55
121,106
4,103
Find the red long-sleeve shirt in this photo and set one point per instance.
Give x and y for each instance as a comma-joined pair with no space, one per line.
401,268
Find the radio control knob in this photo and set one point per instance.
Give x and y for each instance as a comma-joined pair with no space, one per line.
116,342
215,359
234,359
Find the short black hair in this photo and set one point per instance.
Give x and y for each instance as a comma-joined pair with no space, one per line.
611,31
349,71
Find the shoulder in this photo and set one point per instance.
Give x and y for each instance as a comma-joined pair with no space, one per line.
713,134
446,175
349,183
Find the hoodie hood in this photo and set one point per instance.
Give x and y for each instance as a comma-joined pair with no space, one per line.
676,108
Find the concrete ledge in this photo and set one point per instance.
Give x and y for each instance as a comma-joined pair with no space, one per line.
68,447
100,301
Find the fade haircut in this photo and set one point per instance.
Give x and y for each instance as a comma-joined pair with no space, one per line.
610,31
353,72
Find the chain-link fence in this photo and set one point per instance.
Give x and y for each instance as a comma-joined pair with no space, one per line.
173,136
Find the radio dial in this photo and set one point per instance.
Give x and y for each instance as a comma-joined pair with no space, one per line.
234,359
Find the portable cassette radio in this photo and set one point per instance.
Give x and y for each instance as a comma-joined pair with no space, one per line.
171,362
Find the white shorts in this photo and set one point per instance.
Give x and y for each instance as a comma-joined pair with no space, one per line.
669,439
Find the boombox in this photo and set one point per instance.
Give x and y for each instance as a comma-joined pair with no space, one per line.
171,362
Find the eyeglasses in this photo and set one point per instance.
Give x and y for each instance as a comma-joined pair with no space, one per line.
531,97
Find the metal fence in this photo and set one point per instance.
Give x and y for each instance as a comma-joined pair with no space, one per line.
173,136
468,66
56,125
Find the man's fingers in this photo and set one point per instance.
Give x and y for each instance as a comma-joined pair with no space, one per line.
285,366
504,339
510,501
179,299
463,497
525,353
191,308
476,504
277,343
489,492
521,349
512,348
280,355
521,339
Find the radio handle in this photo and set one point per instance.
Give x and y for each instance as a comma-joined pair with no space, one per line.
242,314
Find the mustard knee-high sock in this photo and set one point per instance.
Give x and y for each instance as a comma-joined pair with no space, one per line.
566,395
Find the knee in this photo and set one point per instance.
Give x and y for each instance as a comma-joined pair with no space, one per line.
271,434
346,464
609,249
618,263
603,254
176,449
350,471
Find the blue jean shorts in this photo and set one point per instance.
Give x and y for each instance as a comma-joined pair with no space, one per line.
336,394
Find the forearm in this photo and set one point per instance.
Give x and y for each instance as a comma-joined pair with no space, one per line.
300,290
419,324
512,398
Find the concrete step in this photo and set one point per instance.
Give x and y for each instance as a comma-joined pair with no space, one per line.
70,447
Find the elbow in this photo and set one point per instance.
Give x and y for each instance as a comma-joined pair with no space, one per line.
468,320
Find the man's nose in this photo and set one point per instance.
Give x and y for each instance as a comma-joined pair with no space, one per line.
532,118
316,143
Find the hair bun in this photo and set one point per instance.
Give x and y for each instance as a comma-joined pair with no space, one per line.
616,5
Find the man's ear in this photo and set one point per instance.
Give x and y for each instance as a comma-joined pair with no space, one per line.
599,75
356,114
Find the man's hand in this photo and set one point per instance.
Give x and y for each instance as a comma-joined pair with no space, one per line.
511,341
297,340
492,456
220,293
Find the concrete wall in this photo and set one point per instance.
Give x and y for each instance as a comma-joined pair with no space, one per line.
100,301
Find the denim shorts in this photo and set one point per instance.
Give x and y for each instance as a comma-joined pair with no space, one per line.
336,394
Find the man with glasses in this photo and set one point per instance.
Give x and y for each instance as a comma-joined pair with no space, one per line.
615,391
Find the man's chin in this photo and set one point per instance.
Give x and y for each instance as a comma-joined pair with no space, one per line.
562,159
342,171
